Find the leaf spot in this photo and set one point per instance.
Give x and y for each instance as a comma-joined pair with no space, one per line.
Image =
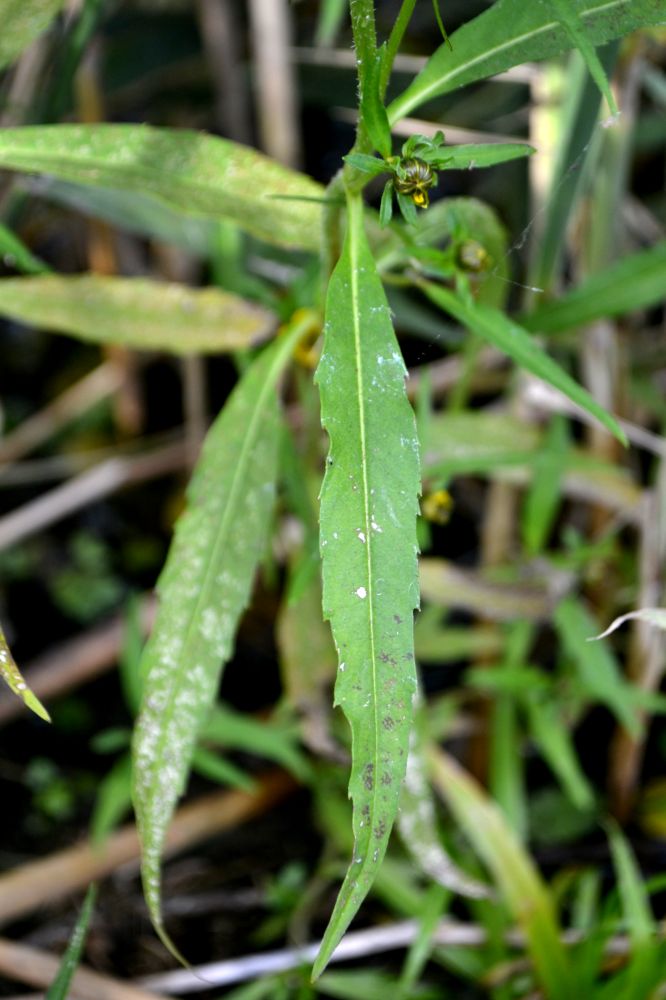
362,593
369,777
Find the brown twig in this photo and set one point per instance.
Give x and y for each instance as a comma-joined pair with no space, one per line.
29,886
39,968
275,85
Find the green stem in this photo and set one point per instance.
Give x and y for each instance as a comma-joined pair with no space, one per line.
394,42
365,33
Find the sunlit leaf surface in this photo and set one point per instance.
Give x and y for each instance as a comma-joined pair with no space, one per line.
190,172
137,312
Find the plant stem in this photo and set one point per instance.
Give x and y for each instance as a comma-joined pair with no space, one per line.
365,34
394,42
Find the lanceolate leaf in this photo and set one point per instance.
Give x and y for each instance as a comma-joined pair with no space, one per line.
12,677
188,171
22,22
568,17
203,590
368,546
513,32
518,880
473,157
635,282
137,312
60,987
499,330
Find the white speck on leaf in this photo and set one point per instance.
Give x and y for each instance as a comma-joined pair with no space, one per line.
362,593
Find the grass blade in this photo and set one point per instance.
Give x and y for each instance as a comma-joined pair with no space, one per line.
502,332
524,892
12,677
59,988
569,19
203,589
190,172
512,32
137,312
635,282
368,546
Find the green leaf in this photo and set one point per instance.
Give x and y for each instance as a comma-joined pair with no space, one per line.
372,165
203,589
372,111
543,498
59,988
368,545
15,254
502,332
331,16
190,172
550,732
113,800
22,22
386,205
524,892
137,312
635,282
568,17
597,668
512,32
227,728
11,675
475,157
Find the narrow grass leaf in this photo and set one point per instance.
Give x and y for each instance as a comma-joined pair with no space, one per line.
474,157
22,22
190,172
524,892
369,503
635,282
203,589
549,731
502,332
598,671
512,32
60,987
14,253
12,677
265,738
544,496
137,312
329,22
113,800
568,17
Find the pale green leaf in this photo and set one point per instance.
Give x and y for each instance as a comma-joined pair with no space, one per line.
189,171
113,800
203,589
502,332
331,16
474,157
137,312
635,282
524,892
570,20
368,545
60,987
22,22
512,32
417,823
651,616
11,675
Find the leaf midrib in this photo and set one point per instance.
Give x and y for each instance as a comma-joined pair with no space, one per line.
356,221
399,108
